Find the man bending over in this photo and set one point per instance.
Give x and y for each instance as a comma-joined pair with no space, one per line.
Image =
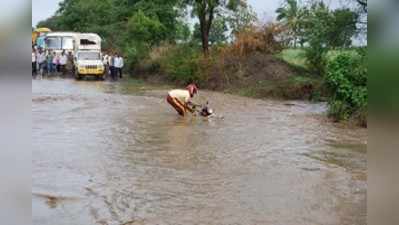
180,99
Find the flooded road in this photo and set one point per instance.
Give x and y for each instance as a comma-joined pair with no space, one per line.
113,154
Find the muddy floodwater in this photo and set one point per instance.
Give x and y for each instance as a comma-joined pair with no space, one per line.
117,154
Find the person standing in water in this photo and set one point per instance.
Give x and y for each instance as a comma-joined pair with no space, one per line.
180,99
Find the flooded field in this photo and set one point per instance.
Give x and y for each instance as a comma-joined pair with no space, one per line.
117,154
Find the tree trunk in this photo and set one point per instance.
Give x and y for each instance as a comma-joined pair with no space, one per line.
206,15
204,35
205,43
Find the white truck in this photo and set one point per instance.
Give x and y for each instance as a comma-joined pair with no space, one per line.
87,56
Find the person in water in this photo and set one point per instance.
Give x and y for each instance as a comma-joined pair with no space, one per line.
180,99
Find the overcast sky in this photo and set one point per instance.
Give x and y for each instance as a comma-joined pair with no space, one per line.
42,9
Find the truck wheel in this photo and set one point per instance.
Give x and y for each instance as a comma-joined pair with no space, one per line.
78,76
102,77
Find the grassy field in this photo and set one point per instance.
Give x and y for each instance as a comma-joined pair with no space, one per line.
294,57
297,58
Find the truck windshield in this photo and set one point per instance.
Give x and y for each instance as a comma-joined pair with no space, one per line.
53,43
67,43
88,55
59,43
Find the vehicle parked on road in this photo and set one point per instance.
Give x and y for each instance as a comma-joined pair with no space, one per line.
38,36
89,63
88,58
61,41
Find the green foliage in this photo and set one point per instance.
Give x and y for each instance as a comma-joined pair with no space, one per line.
316,25
319,28
206,11
183,32
346,79
144,28
342,29
135,51
181,63
290,14
294,57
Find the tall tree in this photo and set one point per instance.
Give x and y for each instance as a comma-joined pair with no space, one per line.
206,10
342,29
316,24
290,14
363,5
217,34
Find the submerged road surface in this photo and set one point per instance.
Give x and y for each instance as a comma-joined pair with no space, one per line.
112,154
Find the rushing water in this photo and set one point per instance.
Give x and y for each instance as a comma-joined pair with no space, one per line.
107,153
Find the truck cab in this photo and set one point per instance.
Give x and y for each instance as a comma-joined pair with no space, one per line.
87,57
89,63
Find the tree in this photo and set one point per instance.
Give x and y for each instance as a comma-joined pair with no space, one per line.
183,32
290,14
241,18
317,21
217,34
144,28
343,28
363,5
206,10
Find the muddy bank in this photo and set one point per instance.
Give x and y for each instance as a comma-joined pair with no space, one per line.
116,153
258,75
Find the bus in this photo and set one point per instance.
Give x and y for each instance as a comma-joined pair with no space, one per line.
38,36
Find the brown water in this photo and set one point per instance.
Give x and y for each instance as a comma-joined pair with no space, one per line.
106,153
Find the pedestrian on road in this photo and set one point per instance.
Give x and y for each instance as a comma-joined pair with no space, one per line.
70,68
56,62
41,61
63,62
50,57
111,61
119,65
106,65
34,68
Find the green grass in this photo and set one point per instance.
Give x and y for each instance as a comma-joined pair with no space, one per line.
296,57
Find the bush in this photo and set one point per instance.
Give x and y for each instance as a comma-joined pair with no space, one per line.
346,79
176,63
257,38
134,51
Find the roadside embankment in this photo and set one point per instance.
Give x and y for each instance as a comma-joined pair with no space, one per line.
259,75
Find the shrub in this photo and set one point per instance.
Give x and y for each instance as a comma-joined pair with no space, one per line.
134,51
264,39
176,63
346,79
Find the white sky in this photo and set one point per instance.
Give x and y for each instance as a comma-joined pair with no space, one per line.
42,9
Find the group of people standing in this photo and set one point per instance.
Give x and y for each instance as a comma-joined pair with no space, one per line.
52,63
49,62
113,64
